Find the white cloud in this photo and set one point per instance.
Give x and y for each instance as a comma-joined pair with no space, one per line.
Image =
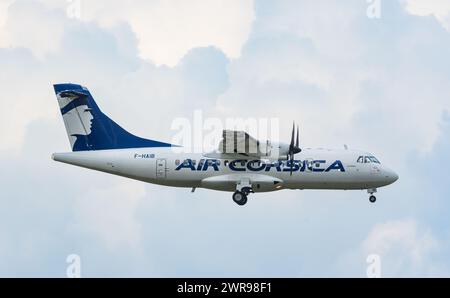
24,16
438,8
25,90
167,30
404,248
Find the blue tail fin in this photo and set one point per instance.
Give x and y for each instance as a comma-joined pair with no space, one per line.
88,128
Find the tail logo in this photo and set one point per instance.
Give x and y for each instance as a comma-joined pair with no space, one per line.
76,113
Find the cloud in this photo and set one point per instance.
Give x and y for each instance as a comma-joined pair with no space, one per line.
167,30
171,29
46,35
403,248
440,9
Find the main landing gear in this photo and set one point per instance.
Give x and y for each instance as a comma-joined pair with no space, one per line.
240,197
372,198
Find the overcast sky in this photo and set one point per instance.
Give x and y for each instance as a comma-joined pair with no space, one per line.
379,84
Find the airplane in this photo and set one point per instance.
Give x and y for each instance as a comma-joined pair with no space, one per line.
241,164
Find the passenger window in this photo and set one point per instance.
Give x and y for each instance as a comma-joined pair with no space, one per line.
177,162
367,159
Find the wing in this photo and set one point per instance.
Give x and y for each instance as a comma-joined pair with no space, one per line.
240,143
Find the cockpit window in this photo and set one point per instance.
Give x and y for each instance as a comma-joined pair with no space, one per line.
374,159
368,159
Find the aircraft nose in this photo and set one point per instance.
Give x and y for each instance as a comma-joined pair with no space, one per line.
391,176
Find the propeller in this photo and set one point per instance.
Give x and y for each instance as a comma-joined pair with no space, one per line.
294,147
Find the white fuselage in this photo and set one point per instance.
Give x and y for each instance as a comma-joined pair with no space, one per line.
314,169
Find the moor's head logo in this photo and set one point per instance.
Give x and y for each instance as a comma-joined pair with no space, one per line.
76,113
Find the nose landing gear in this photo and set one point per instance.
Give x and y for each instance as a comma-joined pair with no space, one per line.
372,198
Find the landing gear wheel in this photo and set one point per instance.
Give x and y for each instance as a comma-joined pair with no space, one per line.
373,199
240,198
